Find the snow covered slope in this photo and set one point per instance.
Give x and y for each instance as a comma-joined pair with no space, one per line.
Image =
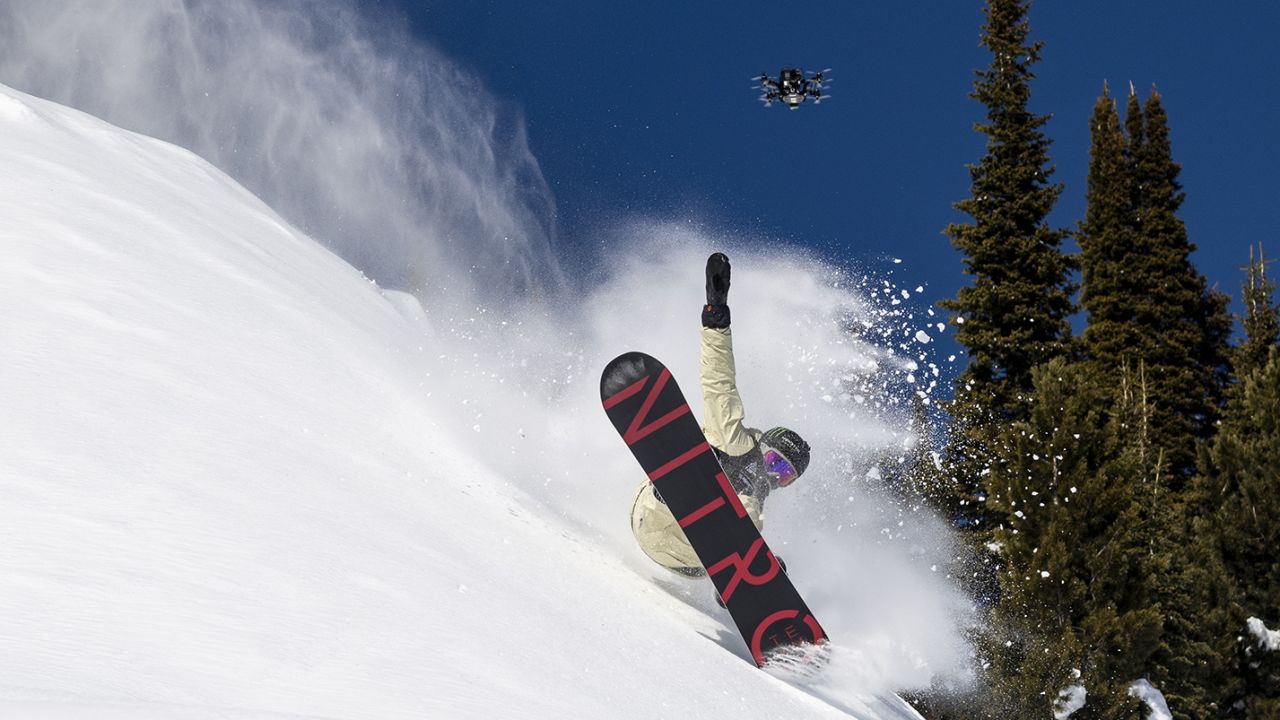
238,480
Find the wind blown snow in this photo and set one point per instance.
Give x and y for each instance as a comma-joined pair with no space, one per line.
1156,705
381,148
245,479
1070,699
1268,640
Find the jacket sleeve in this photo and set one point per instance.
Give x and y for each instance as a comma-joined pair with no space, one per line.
721,405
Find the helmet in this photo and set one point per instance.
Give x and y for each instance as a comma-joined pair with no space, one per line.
789,445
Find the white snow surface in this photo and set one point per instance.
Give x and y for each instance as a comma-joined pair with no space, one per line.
1157,708
1267,639
239,480
1070,699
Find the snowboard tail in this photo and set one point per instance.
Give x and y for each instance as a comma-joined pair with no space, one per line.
650,413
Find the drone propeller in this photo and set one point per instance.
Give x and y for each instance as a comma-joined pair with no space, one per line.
820,72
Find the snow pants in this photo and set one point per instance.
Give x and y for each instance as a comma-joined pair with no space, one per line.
655,528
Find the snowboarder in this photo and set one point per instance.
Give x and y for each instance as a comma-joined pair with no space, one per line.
756,463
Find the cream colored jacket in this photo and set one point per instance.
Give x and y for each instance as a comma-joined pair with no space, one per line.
654,526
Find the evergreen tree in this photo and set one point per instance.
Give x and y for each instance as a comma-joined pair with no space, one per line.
1242,484
1076,579
1190,664
1136,135
1179,332
1145,300
1239,523
1184,343
1014,315
1261,320
1109,244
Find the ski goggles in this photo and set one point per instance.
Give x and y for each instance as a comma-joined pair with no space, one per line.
780,467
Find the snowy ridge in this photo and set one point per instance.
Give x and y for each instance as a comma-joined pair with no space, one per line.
238,475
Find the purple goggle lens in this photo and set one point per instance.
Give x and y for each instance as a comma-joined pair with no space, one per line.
780,466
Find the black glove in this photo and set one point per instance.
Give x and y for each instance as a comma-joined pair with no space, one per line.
715,314
718,279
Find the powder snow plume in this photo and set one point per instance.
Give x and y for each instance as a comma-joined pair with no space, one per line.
384,150
381,148
834,355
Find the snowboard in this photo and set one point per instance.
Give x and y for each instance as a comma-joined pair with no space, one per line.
651,414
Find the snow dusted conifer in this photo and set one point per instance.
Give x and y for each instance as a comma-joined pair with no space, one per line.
1149,310
1075,480
1179,333
1229,548
1013,316
1015,312
1240,487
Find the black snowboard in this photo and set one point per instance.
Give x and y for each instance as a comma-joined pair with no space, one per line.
650,413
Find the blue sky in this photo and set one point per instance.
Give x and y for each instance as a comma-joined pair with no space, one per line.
647,109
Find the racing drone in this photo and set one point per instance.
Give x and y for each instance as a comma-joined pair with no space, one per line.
791,87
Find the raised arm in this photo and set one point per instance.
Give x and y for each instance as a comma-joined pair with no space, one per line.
721,404
723,414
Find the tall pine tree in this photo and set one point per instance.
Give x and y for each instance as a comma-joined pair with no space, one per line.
1109,243
1150,310
1146,302
1239,520
1183,341
1187,325
1014,315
